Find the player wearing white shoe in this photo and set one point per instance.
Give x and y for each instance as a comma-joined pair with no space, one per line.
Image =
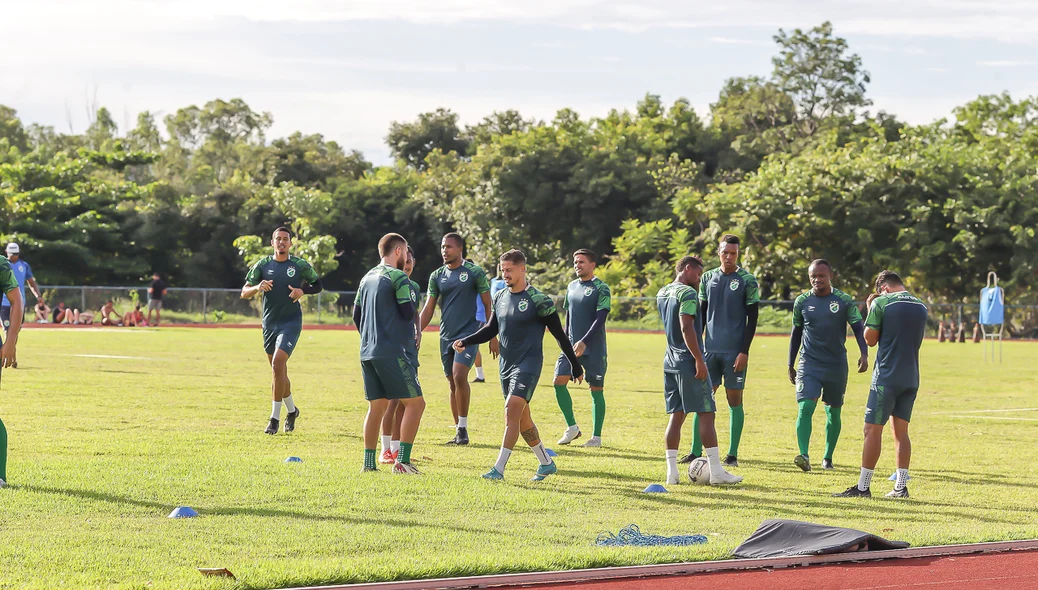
687,387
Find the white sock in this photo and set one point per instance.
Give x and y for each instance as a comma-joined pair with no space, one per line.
290,406
542,454
394,446
386,439
865,479
902,479
463,421
479,373
275,412
574,428
672,464
714,459
502,460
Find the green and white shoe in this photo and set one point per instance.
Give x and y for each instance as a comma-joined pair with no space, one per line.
544,471
493,474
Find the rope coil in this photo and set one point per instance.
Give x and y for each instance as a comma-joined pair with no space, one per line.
631,535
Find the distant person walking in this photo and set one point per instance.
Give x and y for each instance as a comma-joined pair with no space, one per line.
156,291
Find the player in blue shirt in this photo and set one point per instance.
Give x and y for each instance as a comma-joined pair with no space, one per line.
22,273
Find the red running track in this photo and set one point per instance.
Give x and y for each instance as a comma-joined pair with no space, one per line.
1013,570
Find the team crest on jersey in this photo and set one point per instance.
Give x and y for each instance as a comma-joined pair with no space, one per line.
524,305
588,291
734,285
463,277
800,386
414,296
291,271
834,306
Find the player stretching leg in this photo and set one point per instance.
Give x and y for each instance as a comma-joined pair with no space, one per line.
587,305
897,323
283,279
686,379
394,417
456,285
383,312
519,314
820,319
729,298
8,354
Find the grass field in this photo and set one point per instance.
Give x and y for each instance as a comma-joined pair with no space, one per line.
101,449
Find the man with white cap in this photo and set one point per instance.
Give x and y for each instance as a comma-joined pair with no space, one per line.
23,274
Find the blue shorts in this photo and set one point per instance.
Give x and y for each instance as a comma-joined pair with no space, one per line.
828,385
885,401
449,356
282,336
682,392
520,384
722,366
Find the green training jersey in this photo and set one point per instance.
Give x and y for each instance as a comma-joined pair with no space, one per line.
384,333
8,282
413,355
584,299
457,290
824,320
900,319
278,307
726,297
520,329
673,301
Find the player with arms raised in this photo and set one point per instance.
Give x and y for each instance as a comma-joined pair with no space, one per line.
283,279
520,314
456,285
587,305
729,298
686,380
384,313
820,319
897,324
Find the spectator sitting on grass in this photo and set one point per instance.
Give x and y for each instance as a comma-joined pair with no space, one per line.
110,317
42,312
135,317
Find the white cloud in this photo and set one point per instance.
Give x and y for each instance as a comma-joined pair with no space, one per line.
1005,63
732,41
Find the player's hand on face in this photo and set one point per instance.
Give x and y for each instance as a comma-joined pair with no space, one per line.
741,361
579,348
495,347
863,363
295,293
793,375
701,371
868,302
266,285
458,346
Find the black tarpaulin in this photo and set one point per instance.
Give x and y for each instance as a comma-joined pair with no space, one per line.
790,538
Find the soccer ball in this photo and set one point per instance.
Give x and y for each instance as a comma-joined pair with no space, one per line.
699,471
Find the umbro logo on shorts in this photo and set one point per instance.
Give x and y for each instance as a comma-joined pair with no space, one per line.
522,386
468,356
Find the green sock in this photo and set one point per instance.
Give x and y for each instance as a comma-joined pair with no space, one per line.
736,417
405,452
598,408
3,451
369,458
807,410
565,404
833,424
697,442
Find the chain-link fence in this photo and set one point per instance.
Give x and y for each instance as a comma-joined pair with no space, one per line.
225,306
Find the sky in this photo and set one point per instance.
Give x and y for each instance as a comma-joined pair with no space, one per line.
347,69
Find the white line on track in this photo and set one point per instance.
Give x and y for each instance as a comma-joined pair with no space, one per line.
998,418
985,411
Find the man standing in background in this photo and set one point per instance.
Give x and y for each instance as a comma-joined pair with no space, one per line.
156,291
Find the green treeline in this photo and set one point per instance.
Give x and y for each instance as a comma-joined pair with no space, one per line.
794,163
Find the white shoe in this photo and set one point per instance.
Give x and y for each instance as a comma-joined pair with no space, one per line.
673,479
3,484
405,469
594,441
724,478
572,433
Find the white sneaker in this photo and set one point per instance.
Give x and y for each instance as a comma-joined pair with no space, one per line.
405,469
572,433
594,441
3,484
673,479
724,478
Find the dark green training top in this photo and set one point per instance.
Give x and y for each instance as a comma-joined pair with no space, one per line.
278,307
584,299
726,297
384,334
900,319
825,321
457,291
673,301
520,329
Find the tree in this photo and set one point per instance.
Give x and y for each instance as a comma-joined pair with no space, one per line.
438,130
11,129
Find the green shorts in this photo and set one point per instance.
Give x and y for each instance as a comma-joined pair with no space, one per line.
283,336
390,379
449,356
682,392
722,365
594,369
520,384
885,401
830,386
